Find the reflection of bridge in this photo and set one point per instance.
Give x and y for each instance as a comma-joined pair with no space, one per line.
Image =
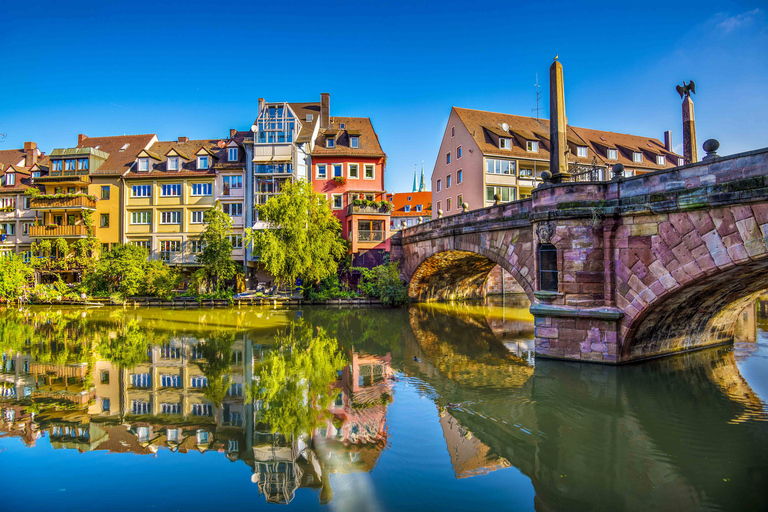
644,266
683,433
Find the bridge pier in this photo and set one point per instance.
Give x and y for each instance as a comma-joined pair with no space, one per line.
615,271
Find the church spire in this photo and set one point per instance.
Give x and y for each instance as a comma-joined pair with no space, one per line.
422,185
415,173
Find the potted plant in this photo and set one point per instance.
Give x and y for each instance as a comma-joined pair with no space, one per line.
340,180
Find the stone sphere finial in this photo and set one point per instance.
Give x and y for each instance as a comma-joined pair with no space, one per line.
618,171
711,146
465,207
497,199
546,176
439,214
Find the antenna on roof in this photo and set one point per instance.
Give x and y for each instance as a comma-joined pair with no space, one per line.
539,92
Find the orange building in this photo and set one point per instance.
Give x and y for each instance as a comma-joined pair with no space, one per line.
408,207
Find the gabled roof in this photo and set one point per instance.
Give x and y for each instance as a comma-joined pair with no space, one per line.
11,157
481,124
360,127
187,167
119,160
401,199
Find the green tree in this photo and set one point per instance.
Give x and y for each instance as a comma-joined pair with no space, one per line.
216,256
303,239
160,279
217,356
127,349
14,277
384,283
120,270
294,380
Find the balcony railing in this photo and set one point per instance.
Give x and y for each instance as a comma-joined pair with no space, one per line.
41,203
63,176
76,230
367,210
370,236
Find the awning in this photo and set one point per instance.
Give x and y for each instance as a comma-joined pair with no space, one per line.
269,159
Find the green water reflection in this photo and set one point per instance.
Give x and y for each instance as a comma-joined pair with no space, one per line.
302,397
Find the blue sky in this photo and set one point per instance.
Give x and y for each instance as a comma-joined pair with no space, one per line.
197,69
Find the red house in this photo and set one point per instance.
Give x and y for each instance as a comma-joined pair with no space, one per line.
348,168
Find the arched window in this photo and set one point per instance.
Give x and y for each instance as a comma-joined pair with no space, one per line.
547,268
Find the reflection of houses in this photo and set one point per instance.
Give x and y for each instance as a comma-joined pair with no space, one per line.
281,465
469,455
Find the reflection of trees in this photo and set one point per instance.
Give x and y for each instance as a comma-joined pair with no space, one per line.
217,355
126,348
293,382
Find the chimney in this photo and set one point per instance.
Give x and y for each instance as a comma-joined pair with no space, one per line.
668,140
81,137
261,105
183,139
232,133
325,110
30,154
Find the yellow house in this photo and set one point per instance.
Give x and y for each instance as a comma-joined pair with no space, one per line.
167,190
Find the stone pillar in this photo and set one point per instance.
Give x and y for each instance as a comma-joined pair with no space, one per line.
689,132
558,161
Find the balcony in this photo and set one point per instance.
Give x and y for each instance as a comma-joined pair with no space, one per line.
366,236
62,203
367,210
54,231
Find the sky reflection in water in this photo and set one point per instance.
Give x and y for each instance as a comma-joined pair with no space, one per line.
433,406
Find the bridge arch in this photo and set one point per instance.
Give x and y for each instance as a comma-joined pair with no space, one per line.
700,272
457,267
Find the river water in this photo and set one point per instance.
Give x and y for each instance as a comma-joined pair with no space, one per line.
430,407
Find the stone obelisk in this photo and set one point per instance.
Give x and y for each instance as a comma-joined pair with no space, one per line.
558,160
689,131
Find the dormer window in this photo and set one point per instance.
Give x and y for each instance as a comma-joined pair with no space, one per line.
581,151
202,162
660,160
418,207
505,143
354,142
125,146
173,163
532,146
343,126
232,154
144,164
681,161
330,143
309,118
407,208
57,165
637,157
613,154
36,174
409,198
10,179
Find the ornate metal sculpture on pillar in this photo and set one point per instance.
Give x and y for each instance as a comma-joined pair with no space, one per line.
689,125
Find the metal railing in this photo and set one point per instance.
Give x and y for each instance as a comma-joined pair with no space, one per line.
367,210
370,236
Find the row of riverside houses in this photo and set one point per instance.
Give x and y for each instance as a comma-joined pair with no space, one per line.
153,193
483,154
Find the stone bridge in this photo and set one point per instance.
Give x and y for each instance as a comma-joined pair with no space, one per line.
615,271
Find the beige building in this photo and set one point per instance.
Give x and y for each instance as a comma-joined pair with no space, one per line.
17,166
488,153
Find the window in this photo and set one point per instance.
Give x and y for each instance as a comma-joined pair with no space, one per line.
453,131
143,164
144,217
36,174
681,161
330,143
237,241
202,189
459,176
660,160
104,377
199,382
141,191
637,157
169,190
8,229
170,217
236,389
232,154
104,220
448,158
231,183
197,217
458,152
141,380
532,146
105,405
460,201
233,209
309,117
500,166
407,208
439,185
56,165
352,171
141,407
172,434
169,248
202,410
10,179
370,231
438,205
170,408
105,192
168,380
8,202
25,228
354,142
141,243
581,151
173,163
337,201
369,171
321,172
448,204
448,181
613,154
195,246
418,207
202,162
548,267
82,164
338,171
507,193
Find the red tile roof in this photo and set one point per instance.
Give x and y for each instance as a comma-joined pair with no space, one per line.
368,141
119,160
188,150
401,199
